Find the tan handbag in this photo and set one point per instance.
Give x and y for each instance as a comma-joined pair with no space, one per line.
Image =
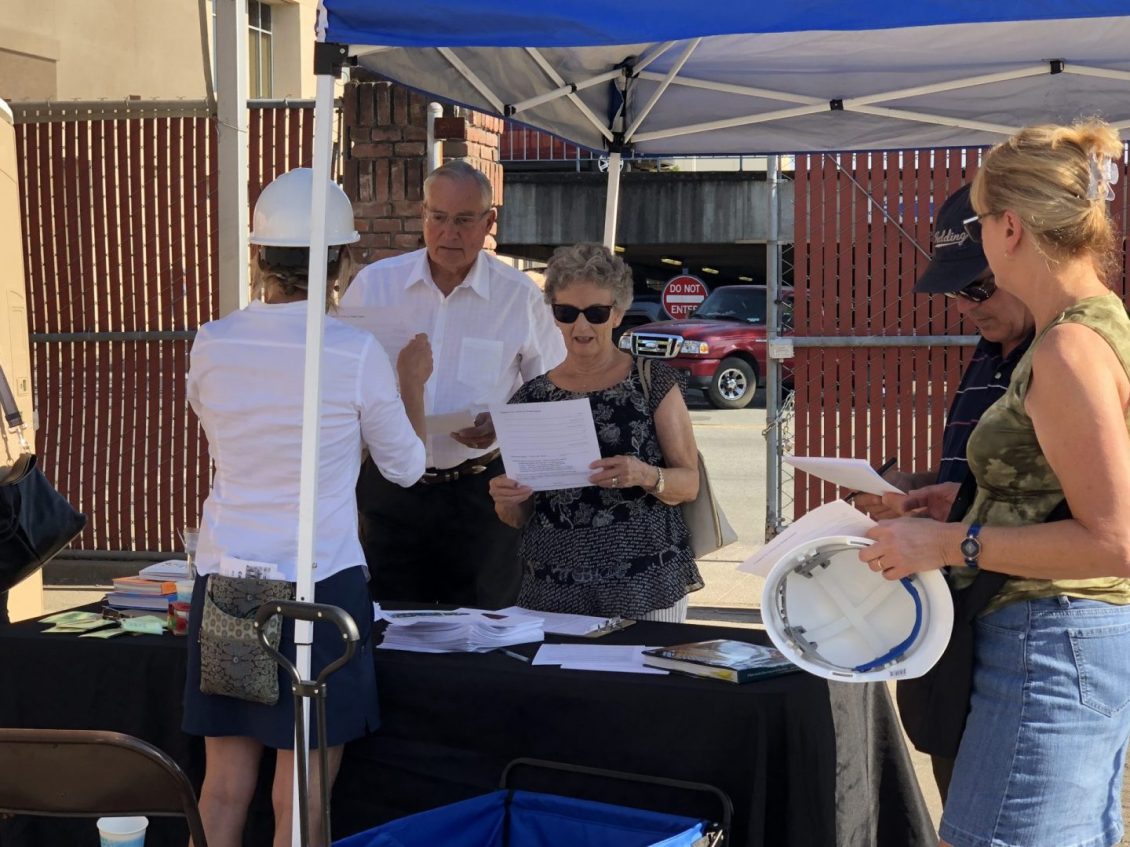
232,661
705,519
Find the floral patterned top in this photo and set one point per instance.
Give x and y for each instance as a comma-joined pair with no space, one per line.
608,551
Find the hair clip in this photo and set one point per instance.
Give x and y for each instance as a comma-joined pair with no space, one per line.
1104,175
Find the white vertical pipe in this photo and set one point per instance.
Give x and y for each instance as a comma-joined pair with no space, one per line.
312,398
435,148
231,102
773,383
612,200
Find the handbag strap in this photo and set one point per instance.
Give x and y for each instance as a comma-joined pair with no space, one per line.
643,365
12,415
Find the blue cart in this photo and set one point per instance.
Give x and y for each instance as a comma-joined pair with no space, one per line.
514,818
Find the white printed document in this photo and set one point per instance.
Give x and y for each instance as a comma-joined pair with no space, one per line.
389,328
835,518
854,474
547,446
617,658
448,422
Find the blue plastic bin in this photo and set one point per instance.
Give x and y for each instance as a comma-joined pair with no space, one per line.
535,820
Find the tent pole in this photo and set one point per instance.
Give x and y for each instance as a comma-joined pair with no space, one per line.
773,371
612,199
312,401
232,140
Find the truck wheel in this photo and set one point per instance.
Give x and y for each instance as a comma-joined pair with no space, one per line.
733,385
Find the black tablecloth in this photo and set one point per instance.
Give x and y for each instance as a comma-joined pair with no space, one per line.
805,762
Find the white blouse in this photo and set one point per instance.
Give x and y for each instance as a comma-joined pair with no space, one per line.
245,383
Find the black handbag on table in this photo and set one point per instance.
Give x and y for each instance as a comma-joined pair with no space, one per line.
36,521
934,706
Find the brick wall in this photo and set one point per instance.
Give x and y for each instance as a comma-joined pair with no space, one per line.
386,161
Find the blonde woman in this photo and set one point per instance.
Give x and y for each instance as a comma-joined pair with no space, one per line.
1041,760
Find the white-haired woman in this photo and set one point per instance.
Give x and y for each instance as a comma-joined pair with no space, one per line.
619,546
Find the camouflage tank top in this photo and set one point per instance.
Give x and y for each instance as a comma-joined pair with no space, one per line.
1015,484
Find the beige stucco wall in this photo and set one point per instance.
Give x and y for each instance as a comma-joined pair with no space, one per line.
150,49
26,599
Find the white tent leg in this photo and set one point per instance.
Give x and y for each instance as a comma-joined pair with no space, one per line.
231,73
312,397
612,200
773,370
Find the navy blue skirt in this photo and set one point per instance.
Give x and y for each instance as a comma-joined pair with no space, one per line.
351,692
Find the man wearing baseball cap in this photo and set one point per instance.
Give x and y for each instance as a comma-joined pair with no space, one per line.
959,270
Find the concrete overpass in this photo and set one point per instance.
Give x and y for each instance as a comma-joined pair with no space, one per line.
715,220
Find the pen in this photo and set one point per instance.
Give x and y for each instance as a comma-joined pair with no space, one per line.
514,655
883,468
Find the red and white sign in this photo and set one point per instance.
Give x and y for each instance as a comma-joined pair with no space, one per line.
682,295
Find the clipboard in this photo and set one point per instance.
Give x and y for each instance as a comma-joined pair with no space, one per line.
613,625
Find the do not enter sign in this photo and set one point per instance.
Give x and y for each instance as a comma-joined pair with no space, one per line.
682,295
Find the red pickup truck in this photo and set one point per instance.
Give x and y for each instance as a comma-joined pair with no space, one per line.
720,347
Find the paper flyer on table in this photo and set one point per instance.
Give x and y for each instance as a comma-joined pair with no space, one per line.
547,446
854,474
835,518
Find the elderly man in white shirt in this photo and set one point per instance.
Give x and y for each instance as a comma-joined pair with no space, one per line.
490,330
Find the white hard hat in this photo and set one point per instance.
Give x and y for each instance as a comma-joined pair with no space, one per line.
833,616
282,213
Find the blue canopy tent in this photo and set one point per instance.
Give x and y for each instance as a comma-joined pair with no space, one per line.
720,77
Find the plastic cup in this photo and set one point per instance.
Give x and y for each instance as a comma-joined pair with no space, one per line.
184,590
178,617
122,832
190,535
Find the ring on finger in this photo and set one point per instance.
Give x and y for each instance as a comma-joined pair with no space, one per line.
615,482
879,562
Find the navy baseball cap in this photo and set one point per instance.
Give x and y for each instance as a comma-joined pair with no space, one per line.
958,260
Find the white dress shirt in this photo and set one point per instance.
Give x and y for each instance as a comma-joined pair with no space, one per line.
245,383
490,335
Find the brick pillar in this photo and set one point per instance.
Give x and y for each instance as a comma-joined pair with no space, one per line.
385,163
386,135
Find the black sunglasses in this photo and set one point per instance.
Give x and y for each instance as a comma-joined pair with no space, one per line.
593,314
978,291
972,226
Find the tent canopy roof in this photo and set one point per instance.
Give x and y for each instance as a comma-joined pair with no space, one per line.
716,77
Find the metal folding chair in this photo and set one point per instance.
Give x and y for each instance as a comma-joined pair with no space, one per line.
90,773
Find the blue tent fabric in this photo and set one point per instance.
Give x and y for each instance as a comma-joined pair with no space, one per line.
716,78
557,23
535,820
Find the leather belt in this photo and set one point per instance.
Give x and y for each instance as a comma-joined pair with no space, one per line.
471,467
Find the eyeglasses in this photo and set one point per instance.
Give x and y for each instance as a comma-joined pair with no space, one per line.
597,314
977,291
463,221
972,226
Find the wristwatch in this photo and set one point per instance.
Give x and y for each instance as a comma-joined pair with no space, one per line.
658,487
971,546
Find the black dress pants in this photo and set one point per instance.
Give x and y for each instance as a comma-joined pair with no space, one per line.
440,543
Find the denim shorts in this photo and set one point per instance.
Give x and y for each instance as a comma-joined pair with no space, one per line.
1041,761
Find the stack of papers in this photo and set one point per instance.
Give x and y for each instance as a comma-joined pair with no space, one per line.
169,570
595,657
459,631
559,623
